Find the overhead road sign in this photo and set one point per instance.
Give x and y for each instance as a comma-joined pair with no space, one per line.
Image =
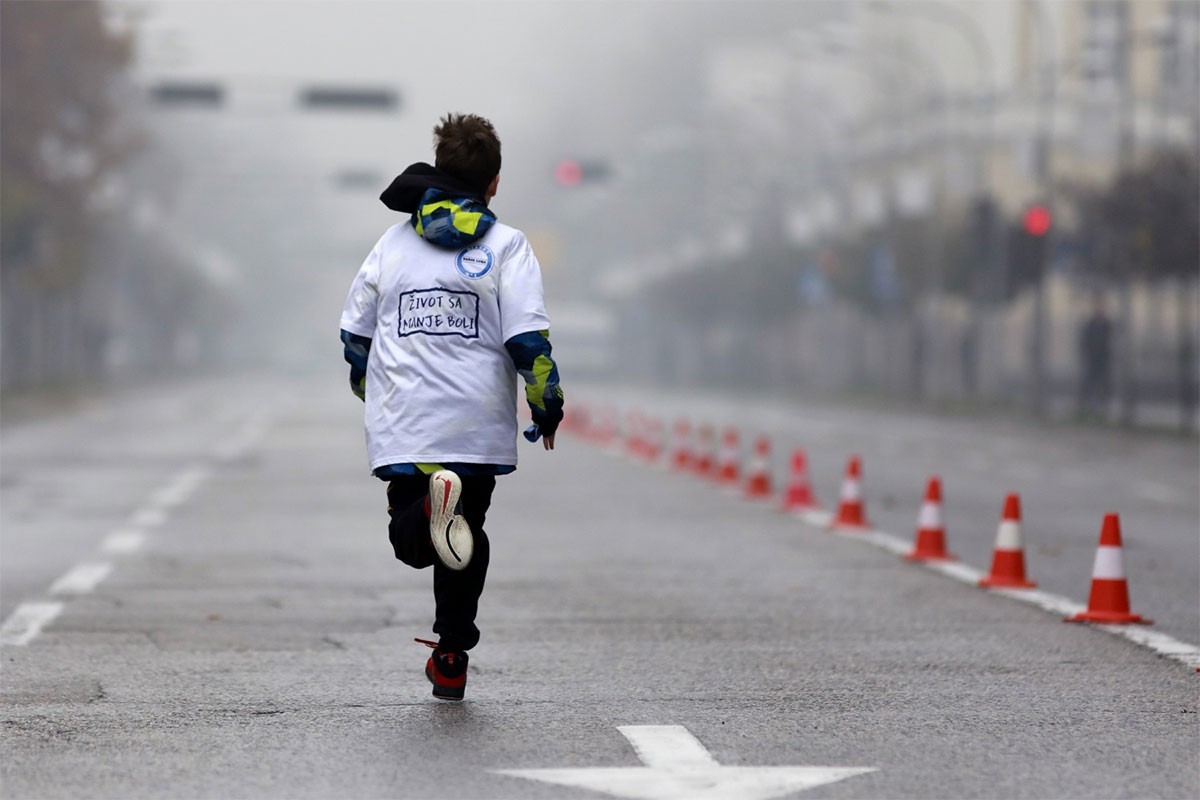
348,98
187,94
359,179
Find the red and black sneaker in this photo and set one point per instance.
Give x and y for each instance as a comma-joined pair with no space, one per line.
447,670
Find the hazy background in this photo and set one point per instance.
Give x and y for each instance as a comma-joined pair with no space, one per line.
786,197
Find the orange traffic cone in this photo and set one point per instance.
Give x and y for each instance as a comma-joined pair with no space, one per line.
569,420
703,463
1008,560
1109,599
604,432
653,439
799,495
634,426
728,469
758,484
682,458
851,512
930,543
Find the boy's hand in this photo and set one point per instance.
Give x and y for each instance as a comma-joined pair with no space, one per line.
534,432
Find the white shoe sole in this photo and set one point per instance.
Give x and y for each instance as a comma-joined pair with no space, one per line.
449,532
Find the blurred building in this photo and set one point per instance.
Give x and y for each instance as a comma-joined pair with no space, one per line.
864,181
1122,81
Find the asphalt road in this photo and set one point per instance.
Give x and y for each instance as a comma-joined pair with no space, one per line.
251,635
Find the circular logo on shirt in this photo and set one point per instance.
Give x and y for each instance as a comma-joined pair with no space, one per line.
475,261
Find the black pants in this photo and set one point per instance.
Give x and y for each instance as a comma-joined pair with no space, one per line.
456,592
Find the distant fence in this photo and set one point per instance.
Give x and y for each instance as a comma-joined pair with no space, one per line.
47,337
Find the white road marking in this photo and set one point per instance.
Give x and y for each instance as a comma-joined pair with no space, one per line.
1164,645
678,767
180,488
667,747
816,517
239,445
123,542
957,570
1160,643
82,578
880,539
148,517
27,621
155,511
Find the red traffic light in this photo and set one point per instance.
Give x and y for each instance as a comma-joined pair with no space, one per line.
568,173
1037,220
572,172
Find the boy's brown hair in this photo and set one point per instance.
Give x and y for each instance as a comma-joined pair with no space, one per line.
466,147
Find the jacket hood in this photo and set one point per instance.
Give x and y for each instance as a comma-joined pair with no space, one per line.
445,211
406,189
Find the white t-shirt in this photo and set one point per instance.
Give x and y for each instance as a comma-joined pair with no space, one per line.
440,385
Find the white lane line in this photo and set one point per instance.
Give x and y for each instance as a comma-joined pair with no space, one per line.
27,621
123,542
239,445
82,578
1053,603
155,511
1160,643
148,517
884,541
958,571
180,488
816,517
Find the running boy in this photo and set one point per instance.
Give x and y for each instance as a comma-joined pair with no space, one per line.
444,313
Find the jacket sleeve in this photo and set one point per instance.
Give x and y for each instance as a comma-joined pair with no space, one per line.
530,353
356,350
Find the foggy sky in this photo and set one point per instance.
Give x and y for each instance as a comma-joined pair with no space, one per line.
558,79
562,78
601,79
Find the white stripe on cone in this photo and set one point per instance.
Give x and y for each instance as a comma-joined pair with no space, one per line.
1008,536
850,490
930,517
1108,564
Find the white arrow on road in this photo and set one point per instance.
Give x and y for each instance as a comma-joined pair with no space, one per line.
678,767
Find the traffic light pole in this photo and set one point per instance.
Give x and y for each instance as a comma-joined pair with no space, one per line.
1045,171
1037,227
1126,370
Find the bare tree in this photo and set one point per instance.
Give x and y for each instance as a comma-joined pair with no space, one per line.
60,71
